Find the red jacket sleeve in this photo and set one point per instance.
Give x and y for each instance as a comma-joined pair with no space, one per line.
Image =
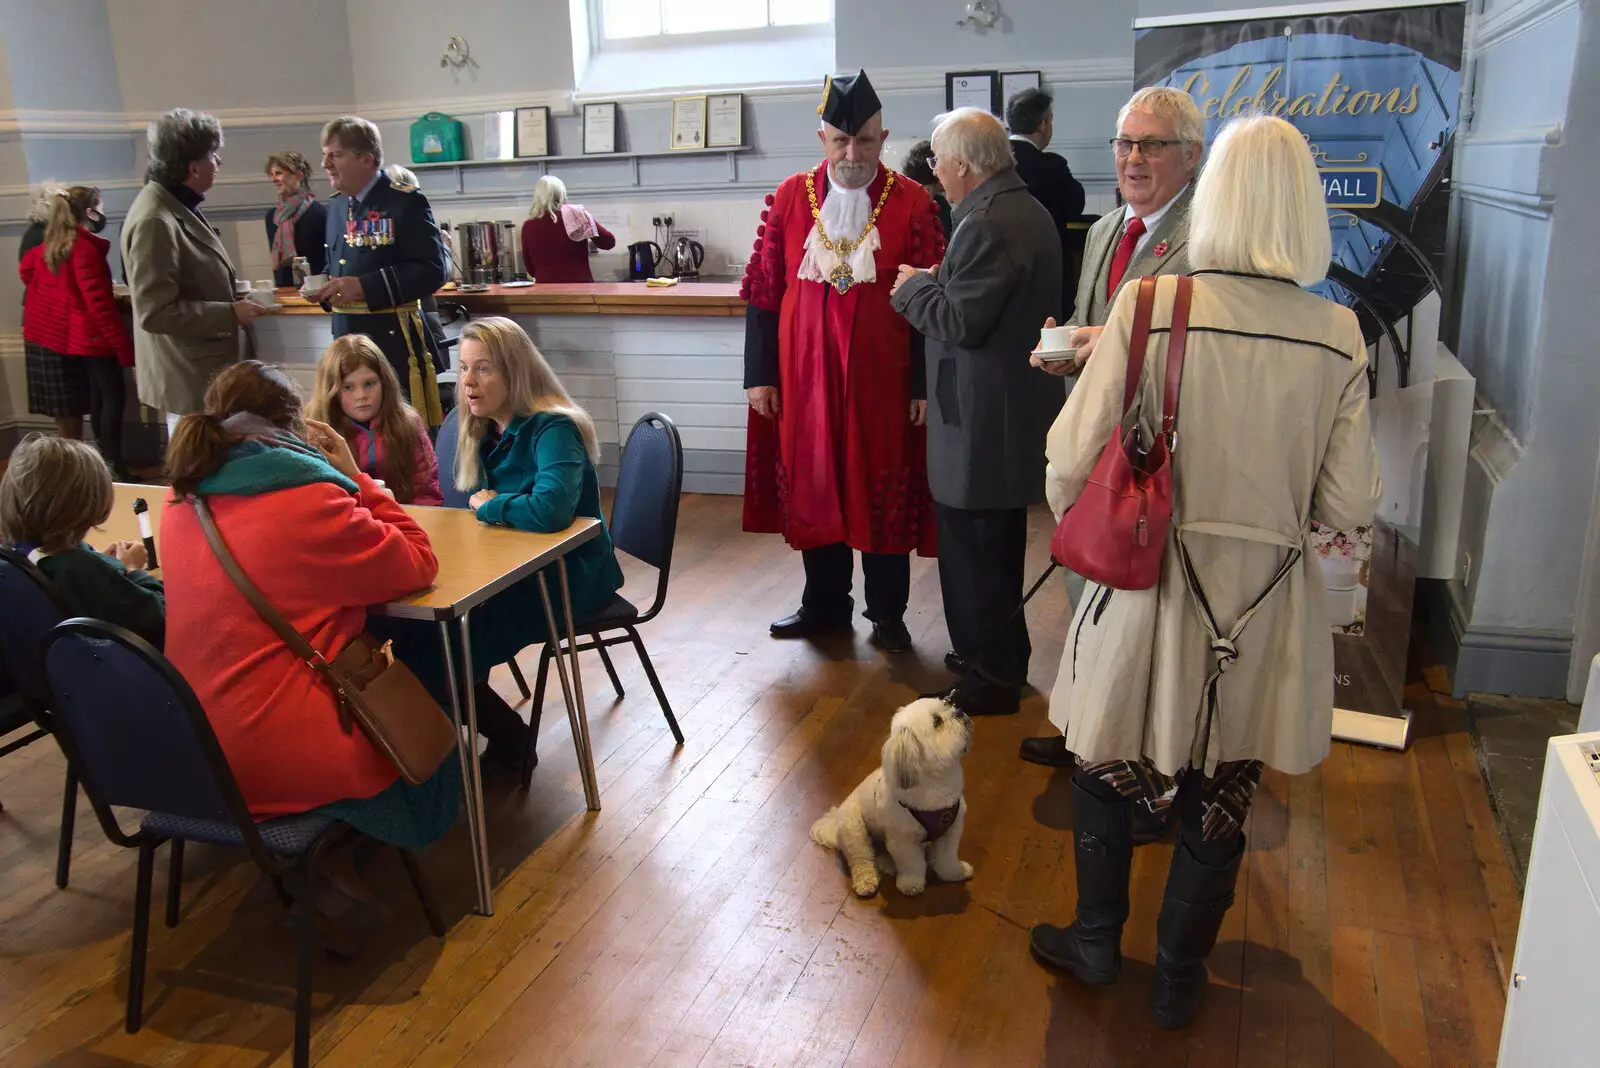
765,273
605,239
927,236
425,477
93,274
382,553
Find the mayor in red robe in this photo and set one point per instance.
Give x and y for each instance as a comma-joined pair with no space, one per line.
836,457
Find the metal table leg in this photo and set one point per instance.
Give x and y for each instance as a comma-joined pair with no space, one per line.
572,693
464,707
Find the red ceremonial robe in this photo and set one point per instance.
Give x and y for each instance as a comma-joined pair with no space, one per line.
842,462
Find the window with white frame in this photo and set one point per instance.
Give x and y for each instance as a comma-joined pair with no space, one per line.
635,20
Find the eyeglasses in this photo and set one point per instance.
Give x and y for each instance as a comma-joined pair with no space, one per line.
1148,147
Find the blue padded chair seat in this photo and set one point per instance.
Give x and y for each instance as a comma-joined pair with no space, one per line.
286,836
617,612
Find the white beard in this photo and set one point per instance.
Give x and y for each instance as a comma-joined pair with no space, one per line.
843,214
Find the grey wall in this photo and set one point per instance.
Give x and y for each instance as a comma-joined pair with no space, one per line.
519,45
1524,279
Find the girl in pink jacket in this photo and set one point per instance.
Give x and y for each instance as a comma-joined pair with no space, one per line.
358,395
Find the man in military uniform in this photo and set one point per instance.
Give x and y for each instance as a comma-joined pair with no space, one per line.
385,254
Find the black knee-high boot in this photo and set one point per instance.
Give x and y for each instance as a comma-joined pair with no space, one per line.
1198,897
1091,948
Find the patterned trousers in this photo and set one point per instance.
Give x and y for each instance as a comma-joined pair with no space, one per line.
1226,796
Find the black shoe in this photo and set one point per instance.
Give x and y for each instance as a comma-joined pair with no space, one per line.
1050,752
954,664
1102,844
976,705
805,624
1198,897
891,636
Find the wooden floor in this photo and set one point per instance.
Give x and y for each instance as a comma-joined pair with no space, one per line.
692,922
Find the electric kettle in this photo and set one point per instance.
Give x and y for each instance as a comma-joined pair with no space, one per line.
687,256
642,259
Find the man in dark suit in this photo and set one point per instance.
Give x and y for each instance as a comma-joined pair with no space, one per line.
988,410
1031,118
384,255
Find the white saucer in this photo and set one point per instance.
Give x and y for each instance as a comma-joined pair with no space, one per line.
519,284
1055,354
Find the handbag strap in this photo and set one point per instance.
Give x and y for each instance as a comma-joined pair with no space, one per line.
1138,342
1176,342
273,618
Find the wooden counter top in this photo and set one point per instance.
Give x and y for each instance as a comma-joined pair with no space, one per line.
573,298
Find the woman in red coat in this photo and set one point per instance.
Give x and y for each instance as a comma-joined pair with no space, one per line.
322,542
557,235
76,342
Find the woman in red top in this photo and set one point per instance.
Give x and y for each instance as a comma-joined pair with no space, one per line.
76,342
557,235
321,541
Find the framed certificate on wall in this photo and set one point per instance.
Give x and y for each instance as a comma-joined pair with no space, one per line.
599,128
533,132
725,120
1014,82
973,89
688,123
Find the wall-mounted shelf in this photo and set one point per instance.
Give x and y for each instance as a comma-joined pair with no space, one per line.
543,163
522,161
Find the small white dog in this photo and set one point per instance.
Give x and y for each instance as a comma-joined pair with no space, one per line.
912,804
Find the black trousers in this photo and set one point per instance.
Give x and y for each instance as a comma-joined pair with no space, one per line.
830,569
108,394
981,575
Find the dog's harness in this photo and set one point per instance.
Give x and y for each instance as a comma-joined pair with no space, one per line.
935,821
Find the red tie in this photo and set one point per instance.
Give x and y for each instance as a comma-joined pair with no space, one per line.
1119,262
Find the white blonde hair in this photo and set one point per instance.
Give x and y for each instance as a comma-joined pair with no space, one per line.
974,137
402,175
1258,206
1174,105
549,193
531,386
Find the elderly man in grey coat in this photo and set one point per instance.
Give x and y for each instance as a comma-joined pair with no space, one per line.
988,409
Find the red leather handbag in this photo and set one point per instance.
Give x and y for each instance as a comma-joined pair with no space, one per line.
1115,532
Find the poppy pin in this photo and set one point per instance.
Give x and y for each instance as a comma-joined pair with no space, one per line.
1161,249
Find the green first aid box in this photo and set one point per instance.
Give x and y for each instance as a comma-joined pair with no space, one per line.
437,138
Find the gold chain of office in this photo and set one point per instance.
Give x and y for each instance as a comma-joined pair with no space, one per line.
842,277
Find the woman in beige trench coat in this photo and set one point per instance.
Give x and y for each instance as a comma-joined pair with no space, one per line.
1184,684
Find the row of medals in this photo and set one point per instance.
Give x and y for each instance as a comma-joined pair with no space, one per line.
369,233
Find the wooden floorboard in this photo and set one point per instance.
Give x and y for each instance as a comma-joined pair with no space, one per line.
692,922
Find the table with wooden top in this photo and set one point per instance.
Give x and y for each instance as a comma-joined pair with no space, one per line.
476,562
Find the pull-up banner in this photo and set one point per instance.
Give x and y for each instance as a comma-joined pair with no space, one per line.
1375,91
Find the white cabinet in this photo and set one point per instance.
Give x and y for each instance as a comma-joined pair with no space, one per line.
1550,1009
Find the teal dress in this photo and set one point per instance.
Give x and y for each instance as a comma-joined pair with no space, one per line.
543,479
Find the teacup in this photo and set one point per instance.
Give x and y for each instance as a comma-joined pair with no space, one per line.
267,297
312,283
1055,339
240,287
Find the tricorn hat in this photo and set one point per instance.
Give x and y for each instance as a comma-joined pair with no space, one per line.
848,101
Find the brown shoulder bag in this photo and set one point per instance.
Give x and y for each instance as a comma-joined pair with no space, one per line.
371,689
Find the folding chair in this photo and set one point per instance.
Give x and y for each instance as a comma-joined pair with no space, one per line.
33,606
644,524
136,733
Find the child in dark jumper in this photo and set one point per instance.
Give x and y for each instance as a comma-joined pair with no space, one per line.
54,491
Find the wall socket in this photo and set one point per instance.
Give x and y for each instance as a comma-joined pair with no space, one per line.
661,220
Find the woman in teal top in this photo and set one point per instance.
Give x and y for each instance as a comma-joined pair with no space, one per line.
529,454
